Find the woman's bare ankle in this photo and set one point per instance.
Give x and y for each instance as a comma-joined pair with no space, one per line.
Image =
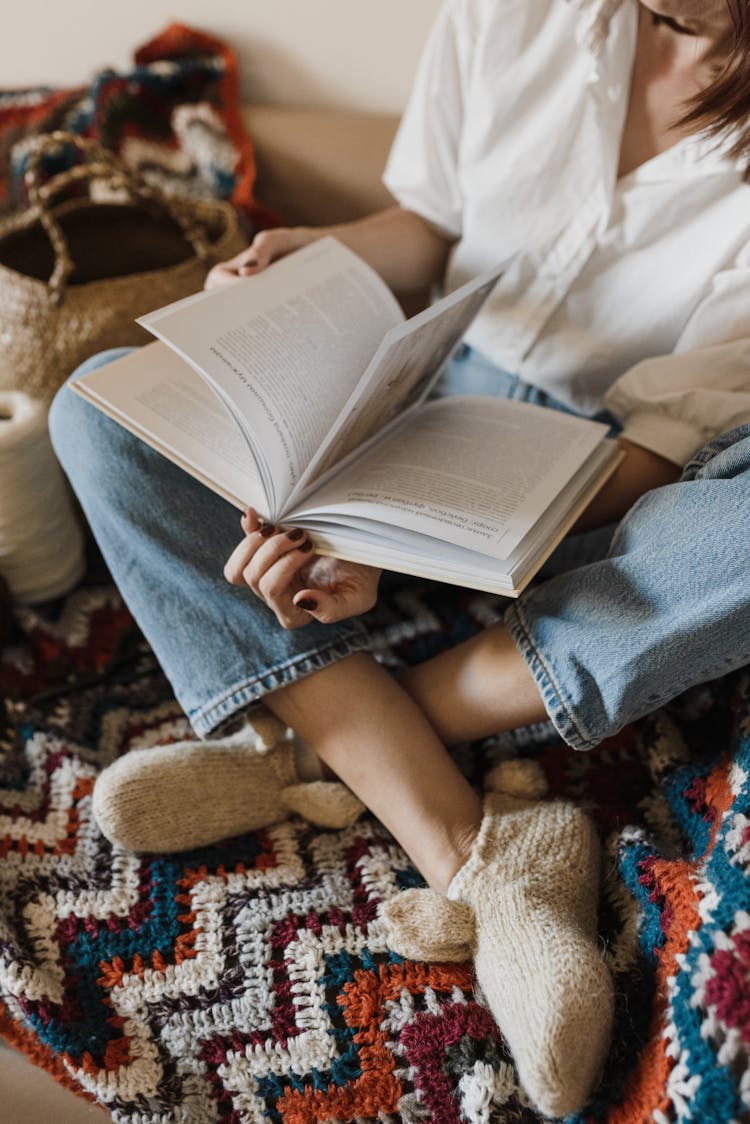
446,862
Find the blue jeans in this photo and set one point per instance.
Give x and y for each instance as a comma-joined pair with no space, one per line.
632,621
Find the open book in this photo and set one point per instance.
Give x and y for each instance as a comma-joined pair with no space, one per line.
304,392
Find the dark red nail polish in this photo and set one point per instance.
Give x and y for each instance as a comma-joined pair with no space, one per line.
295,535
306,547
307,603
267,530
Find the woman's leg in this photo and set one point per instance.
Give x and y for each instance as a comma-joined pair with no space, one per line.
607,643
368,730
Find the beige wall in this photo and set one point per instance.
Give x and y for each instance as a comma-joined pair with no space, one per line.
357,53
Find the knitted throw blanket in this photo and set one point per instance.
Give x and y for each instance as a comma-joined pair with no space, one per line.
251,981
175,116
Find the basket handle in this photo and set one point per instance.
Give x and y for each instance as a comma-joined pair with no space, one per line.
100,164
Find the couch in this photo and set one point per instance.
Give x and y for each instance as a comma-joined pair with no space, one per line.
319,166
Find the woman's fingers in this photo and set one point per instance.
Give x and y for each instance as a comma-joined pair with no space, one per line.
266,247
343,589
278,584
244,550
268,561
259,550
224,272
241,265
329,607
272,574
269,245
264,572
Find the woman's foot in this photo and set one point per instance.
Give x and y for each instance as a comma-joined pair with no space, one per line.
191,793
524,906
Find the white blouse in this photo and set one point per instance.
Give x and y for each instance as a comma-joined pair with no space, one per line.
632,294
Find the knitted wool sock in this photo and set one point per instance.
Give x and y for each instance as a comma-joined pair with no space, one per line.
525,904
176,797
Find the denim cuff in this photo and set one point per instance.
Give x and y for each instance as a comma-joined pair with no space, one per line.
206,719
556,703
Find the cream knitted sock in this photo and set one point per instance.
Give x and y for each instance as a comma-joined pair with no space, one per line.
531,884
187,794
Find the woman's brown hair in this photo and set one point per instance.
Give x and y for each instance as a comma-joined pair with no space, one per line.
724,106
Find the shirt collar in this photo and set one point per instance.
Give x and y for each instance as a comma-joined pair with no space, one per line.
709,153
596,16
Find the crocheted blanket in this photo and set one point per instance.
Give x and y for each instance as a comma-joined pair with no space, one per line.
250,981
174,116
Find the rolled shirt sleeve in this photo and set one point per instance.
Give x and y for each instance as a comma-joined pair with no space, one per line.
673,404
422,170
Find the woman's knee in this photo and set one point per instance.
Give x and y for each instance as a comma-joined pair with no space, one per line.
78,430
75,429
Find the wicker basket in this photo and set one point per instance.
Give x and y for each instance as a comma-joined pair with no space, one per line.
74,276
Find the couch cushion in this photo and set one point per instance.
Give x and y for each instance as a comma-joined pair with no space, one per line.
318,166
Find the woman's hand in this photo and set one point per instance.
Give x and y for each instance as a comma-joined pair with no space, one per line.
296,584
266,247
408,253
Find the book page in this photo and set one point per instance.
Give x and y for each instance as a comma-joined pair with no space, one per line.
478,472
402,372
407,552
160,398
285,347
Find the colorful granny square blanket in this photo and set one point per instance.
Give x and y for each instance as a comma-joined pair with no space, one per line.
251,981
175,116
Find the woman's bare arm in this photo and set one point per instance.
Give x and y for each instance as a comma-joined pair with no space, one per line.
639,472
402,247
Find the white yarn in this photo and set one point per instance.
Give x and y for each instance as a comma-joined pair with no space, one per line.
41,544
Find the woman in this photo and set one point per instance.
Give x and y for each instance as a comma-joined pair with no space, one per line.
604,144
